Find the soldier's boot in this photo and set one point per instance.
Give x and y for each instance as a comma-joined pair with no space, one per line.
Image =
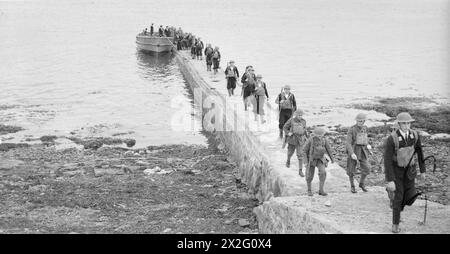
322,178
352,184
288,162
281,133
395,228
309,189
300,167
361,183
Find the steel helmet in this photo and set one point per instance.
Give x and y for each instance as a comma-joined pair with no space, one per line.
404,117
361,116
319,131
287,87
299,112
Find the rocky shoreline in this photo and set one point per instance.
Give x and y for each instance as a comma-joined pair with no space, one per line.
158,189
101,185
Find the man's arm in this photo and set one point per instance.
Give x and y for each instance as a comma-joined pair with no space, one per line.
420,156
294,103
388,160
349,141
306,148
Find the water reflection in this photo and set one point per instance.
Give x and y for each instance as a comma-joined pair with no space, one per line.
154,63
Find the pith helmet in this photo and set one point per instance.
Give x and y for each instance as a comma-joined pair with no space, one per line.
299,112
361,116
404,117
319,131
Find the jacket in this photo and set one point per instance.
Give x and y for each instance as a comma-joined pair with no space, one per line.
351,145
391,169
295,139
308,150
291,97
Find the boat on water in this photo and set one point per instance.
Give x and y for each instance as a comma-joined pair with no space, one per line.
154,43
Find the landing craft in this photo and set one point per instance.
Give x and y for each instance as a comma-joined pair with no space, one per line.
154,43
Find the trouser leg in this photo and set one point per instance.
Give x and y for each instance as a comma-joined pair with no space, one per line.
365,170
310,173
309,177
291,150
322,177
398,200
351,168
299,150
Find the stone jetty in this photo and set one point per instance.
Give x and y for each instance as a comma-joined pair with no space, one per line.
285,206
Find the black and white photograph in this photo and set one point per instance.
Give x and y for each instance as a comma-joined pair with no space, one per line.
244,119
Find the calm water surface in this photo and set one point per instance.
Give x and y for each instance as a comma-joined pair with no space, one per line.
67,65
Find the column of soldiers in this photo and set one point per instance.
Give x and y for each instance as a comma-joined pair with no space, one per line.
402,154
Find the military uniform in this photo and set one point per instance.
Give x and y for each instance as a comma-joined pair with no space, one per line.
317,161
357,141
296,126
403,177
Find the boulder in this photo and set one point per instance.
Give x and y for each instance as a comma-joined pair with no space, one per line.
94,145
244,223
130,142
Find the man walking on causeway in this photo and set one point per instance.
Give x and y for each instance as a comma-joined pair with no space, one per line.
315,149
358,151
400,165
286,106
295,129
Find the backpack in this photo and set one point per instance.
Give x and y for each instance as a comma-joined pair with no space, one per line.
209,51
199,45
317,149
406,153
216,54
287,104
298,128
230,72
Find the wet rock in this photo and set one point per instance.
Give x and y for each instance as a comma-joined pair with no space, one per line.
441,136
48,139
130,142
228,222
5,129
327,203
9,164
244,223
4,147
151,171
94,145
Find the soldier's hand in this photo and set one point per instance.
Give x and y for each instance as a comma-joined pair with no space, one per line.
369,147
390,186
289,134
354,157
